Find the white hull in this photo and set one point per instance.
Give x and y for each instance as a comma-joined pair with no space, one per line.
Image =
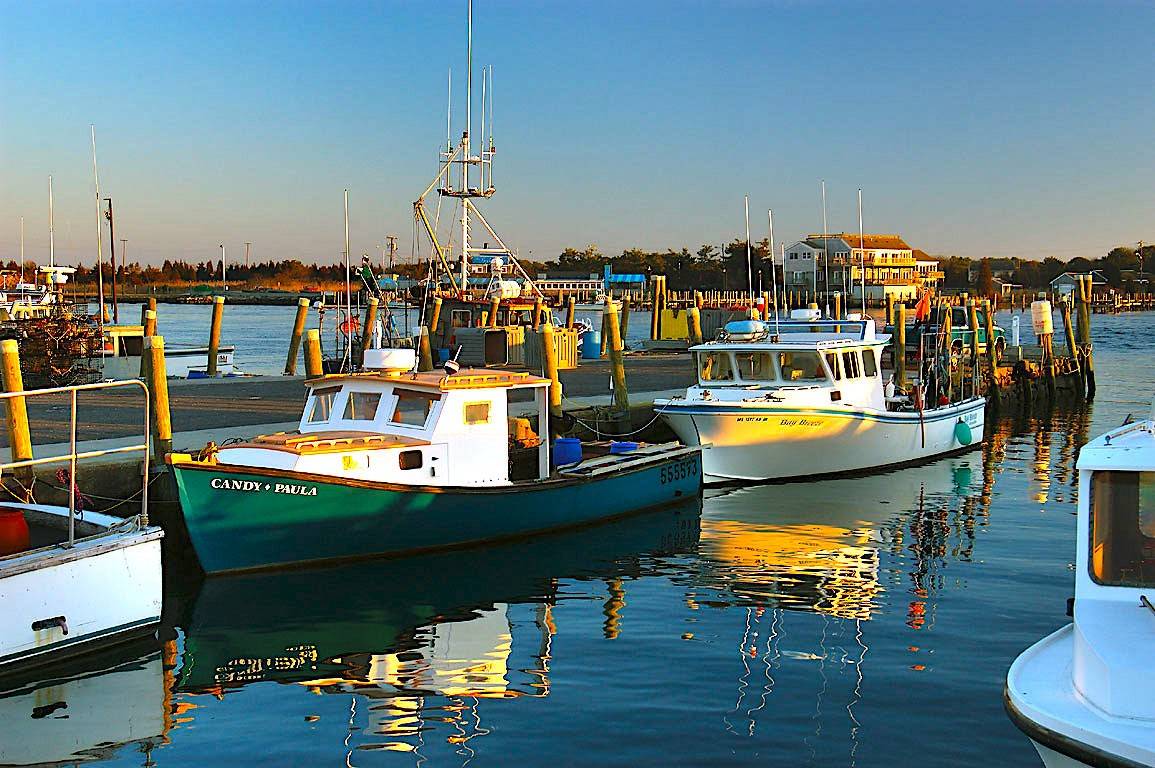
178,363
59,600
777,441
1066,729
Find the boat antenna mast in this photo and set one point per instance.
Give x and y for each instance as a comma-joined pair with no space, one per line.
749,272
825,250
862,253
773,278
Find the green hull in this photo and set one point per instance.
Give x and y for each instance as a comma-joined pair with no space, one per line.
241,518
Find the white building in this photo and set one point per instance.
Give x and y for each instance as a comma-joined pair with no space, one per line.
891,266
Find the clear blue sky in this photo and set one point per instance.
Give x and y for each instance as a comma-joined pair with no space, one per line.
975,128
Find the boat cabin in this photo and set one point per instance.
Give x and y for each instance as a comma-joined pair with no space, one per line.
1115,571
826,361
471,428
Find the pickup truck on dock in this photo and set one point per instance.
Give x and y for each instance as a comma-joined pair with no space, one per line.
960,332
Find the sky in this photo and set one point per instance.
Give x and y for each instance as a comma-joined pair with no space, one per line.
974,128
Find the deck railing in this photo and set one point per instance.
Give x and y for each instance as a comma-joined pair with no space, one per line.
73,456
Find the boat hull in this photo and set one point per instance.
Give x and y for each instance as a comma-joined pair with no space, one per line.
246,518
59,602
780,442
1068,732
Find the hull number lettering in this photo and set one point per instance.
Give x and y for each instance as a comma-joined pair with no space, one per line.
686,468
252,486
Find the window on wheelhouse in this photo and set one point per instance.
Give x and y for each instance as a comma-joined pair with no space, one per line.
715,366
869,366
413,407
1123,528
362,406
832,363
850,364
755,366
323,398
803,366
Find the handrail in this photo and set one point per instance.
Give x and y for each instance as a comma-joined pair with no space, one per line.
72,455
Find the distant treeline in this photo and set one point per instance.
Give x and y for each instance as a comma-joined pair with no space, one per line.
710,267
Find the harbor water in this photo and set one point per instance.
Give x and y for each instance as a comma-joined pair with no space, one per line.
864,621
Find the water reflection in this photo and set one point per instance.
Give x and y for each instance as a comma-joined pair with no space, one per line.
419,641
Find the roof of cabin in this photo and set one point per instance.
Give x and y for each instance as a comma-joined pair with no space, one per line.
466,378
1128,448
328,442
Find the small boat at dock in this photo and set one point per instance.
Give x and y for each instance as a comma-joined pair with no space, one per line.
1083,693
806,397
392,462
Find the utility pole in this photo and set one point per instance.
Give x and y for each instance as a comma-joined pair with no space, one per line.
112,257
224,281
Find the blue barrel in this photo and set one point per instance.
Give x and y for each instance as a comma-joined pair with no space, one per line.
592,345
566,450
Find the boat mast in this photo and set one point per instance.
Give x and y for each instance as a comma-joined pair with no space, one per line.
825,250
862,253
51,228
465,158
749,273
99,241
22,249
348,283
773,279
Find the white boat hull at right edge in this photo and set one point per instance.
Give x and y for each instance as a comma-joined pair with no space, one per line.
1041,700
761,441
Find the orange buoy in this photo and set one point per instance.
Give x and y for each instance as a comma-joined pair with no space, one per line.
13,531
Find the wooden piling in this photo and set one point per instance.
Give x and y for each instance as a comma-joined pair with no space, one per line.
625,318
19,434
549,365
295,339
1086,286
537,313
617,359
973,325
156,378
434,321
1069,330
992,350
890,309
694,321
313,366
149,323
838,305
424,352
367,326
215,334
899,349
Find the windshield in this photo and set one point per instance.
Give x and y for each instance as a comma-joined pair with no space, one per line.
1123,528
801,367
715,366
755,366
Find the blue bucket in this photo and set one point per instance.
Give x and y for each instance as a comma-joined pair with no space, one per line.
592,345
623,447
566,450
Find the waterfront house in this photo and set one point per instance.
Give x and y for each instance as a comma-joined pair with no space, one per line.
892,268
1065,283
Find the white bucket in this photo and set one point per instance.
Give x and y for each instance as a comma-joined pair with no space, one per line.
1041,319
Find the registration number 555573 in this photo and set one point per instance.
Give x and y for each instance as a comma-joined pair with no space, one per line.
686,468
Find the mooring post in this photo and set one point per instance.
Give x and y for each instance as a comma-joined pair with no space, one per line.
295,339
973,325
899,339
838,305
313,366
1069,331
617,359
156,377
149,323
655,307
19,435
625,318
890,309
537,313
549,364
370,321
992,350
215,334
424,353
434,322
570,311
1086,286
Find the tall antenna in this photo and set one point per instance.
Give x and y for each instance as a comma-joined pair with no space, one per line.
348,281
862,253
51,228
749,272
490,185
22,249
825,249
224,279
449,116
99,238
773,279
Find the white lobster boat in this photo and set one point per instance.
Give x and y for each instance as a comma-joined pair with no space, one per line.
1083,694
801,398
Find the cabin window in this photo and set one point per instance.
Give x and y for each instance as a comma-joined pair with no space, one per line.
755,366
869,367
832,363
413,408
323,404
461,318
801,366
362,405
850,364
1123,529
715,366
477,413
409,459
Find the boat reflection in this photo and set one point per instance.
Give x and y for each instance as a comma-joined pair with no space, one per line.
462,626
88,709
